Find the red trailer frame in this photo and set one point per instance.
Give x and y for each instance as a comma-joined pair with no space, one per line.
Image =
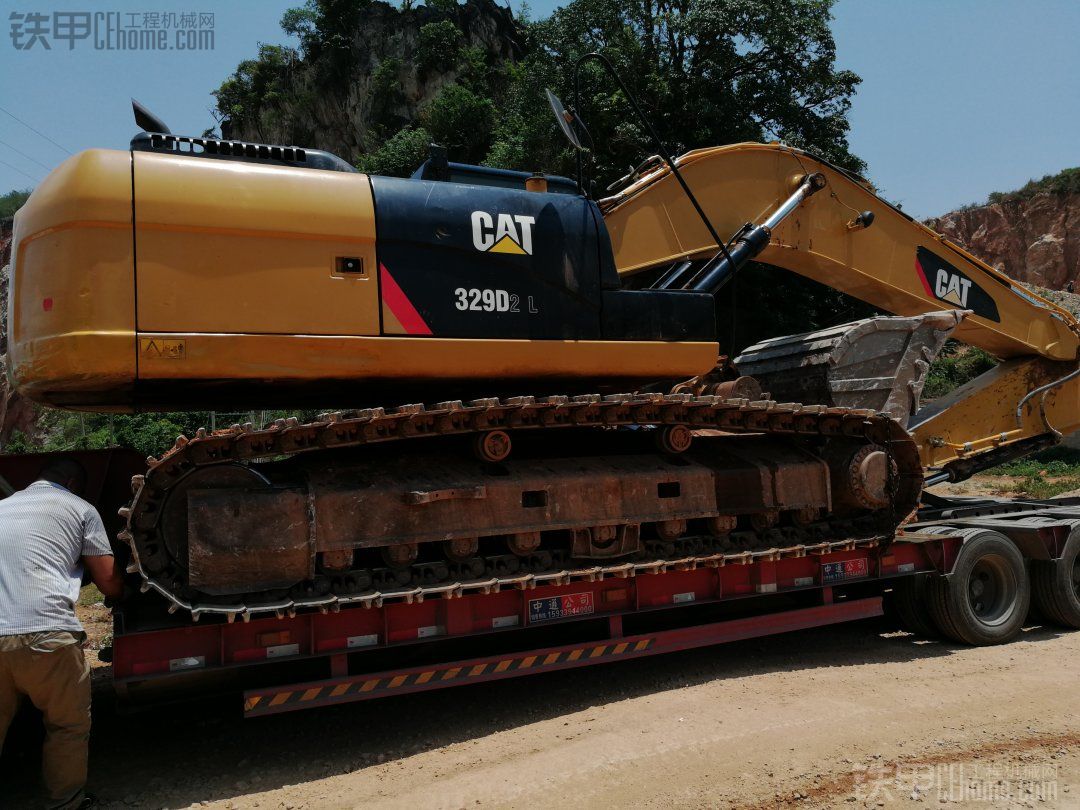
356,653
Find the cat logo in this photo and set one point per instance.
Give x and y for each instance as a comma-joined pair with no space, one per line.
950,287
502,233
946,283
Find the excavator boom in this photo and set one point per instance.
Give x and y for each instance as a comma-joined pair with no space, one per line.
848,238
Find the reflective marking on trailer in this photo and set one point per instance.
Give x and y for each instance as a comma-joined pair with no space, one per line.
430,630
905,568
362,641
191,662
391,682
766,587
282,650
683,597
802,582
505,621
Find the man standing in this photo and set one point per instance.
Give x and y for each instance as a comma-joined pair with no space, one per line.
47,534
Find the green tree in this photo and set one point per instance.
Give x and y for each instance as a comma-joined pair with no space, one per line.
398,156
438,45
707,71
255,83
12,202
460,120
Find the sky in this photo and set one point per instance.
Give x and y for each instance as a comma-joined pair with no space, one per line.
959,97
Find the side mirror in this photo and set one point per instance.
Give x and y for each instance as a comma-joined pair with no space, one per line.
572,126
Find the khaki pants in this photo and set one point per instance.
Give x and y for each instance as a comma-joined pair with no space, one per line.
51,670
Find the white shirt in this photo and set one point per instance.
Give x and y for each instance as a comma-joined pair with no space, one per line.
44,532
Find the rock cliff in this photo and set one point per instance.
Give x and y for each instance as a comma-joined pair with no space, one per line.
1034,238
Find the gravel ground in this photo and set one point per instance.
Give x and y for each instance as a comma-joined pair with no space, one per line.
851,716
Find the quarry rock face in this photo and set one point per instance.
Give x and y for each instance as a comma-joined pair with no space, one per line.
1034,240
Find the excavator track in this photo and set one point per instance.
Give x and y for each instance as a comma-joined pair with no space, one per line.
287,439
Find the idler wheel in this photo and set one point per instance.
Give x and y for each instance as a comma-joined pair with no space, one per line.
866,476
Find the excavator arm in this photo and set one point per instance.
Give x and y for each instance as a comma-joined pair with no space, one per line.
848,238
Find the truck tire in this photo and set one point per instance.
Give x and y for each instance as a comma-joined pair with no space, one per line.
1055,584
909,603
985,599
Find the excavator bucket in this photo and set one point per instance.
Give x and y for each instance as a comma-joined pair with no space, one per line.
877,363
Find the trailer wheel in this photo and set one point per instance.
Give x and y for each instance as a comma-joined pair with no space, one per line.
909,603
1055,584
986,598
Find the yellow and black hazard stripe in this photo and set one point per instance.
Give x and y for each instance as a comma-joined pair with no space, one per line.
285,699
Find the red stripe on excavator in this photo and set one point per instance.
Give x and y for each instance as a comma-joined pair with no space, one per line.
400,305
923,279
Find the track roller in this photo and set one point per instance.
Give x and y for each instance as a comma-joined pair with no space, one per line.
721,525
400,555
461,549
674,439
985,599
1055,584
763,521
493,446
523,543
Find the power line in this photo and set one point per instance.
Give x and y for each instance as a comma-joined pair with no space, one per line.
20,171
42,134
20,152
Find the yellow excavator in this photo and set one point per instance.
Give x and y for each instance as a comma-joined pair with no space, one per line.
577,404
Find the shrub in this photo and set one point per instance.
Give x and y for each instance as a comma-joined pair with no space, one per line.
400,155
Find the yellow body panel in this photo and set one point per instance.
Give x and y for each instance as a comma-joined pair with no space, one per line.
72,294
296,358
236,247
652,223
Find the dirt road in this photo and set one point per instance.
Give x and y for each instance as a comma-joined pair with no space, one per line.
848,716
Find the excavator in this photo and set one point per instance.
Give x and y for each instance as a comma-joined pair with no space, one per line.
534,376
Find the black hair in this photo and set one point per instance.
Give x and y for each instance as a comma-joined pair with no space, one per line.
64,471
